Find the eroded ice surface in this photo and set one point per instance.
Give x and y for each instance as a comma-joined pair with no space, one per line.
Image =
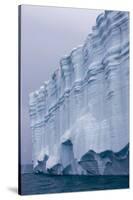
79,117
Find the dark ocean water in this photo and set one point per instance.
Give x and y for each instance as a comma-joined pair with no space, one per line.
43,184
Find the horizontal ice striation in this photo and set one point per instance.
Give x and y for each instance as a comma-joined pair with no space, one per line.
79,117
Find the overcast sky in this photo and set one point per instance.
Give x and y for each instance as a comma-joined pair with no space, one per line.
48,33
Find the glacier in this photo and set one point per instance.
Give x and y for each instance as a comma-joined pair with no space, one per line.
79,117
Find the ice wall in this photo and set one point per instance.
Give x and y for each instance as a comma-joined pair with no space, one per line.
83,107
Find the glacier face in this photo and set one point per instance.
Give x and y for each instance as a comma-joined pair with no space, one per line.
79,117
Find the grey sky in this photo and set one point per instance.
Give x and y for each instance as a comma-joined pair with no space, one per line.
48,33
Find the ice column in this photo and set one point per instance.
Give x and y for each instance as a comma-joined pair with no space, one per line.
77,63
66,73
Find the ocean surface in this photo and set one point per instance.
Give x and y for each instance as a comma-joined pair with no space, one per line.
44,184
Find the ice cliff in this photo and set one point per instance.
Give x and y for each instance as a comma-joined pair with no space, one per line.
79,117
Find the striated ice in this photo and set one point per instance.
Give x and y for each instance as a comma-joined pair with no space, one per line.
79,117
